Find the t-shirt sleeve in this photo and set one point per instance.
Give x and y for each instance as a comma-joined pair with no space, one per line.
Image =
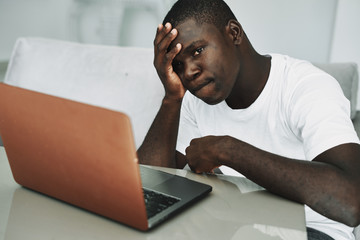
188,128
320,114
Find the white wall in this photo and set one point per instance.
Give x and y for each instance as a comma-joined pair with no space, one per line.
319,31
302,29
346,40
94,22
31,18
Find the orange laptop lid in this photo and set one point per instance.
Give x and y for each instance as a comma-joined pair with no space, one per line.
70,151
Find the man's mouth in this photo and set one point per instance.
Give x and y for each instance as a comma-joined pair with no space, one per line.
200,86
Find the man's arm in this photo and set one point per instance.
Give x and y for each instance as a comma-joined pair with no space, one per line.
330,184
159,144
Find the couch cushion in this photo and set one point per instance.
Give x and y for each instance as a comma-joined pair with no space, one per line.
117,78
347,75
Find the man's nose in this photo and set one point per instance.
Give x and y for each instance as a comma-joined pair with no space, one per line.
192,70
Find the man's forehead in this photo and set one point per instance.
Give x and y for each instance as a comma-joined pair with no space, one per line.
190,31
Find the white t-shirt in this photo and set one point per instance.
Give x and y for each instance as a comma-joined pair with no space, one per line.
300,113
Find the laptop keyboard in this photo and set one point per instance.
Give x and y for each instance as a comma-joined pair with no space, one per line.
156,202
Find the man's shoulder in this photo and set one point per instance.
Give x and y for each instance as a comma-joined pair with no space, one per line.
296,72
294,67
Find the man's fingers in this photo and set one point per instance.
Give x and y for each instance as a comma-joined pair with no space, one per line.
163,60
163,46
164,39
161,32
172,53
198,158
191,167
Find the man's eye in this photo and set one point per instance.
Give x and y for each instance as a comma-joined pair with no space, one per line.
198,51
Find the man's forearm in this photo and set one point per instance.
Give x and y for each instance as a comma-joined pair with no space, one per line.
329,184
330,190
158,147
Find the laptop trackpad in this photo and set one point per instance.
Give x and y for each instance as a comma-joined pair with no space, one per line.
151,177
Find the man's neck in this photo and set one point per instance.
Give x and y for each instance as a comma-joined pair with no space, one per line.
253,77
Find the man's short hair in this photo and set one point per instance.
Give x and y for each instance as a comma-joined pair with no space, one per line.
215,12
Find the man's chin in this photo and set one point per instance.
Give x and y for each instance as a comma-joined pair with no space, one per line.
212,101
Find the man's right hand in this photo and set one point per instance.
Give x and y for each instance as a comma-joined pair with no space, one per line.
165,35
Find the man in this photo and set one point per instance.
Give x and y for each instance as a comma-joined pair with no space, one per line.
279,121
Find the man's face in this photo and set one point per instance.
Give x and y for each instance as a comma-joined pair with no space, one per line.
207,64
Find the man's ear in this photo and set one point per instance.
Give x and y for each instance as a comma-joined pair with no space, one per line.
235,31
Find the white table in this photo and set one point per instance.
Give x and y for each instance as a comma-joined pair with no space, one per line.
236,209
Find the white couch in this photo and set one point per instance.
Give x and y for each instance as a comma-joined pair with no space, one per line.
117,78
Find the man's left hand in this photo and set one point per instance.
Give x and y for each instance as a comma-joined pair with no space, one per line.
207,153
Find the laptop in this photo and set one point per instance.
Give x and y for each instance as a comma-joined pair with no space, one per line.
86,156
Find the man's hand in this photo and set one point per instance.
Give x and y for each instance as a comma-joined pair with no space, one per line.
207,153
159,145
163,59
